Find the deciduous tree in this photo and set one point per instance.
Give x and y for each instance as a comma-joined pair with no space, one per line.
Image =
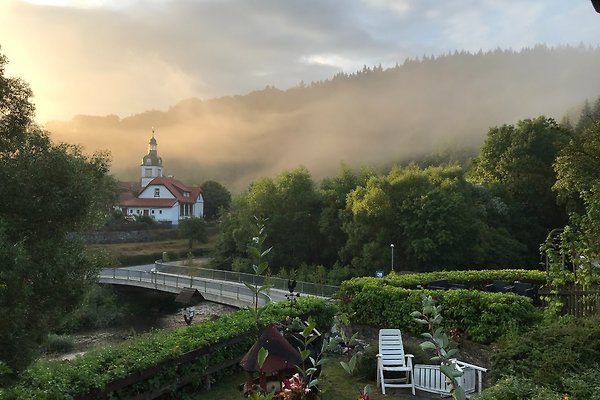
216,197
50,192
194,230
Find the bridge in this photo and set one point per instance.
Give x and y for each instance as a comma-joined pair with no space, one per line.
225,287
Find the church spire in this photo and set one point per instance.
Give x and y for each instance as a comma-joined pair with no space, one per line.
151,166
152,143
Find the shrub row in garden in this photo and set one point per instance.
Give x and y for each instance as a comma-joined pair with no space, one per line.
482,316
476,279
94,370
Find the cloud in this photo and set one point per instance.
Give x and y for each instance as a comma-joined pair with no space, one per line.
127,56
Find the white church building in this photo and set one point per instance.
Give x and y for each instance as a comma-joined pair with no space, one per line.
163,198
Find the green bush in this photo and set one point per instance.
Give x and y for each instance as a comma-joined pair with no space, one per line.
59,343
512,388
94,370
367,363
471,278
551,355
100,308
482,316
584,385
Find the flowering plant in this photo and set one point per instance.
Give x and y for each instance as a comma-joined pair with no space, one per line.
364,394
294,388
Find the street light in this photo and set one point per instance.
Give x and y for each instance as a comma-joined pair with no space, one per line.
392,247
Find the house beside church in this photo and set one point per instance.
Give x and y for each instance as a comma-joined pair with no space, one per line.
163,198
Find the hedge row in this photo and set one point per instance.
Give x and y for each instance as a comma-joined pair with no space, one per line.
482,316
94,370
476,279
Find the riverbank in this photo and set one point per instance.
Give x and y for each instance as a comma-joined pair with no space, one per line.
148,311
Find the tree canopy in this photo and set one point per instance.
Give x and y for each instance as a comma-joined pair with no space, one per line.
51,191
216,197
194,230
517,161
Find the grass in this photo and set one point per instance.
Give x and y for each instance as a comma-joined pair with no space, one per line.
119,250
336,384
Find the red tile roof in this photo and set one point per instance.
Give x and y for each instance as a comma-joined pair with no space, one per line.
178,188
138,202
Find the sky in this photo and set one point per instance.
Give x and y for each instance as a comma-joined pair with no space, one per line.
122,57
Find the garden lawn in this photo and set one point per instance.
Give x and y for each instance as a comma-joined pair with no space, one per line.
336,384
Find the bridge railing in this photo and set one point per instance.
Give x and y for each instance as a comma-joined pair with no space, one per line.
310,288
161,281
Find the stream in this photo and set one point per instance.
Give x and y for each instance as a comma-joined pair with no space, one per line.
152,311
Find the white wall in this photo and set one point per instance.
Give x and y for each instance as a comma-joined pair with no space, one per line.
148,192
199,207
170,214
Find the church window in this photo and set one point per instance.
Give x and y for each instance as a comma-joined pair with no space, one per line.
148,173
156,192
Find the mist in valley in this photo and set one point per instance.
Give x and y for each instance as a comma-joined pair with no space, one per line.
436,109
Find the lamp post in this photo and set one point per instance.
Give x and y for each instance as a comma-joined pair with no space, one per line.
392,247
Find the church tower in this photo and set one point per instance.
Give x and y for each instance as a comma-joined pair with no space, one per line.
151,163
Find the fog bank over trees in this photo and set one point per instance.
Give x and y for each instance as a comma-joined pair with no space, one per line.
430,109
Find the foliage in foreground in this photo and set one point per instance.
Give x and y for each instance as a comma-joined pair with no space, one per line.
92,371
556,355
51,192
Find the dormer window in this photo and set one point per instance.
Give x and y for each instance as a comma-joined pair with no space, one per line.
186,194
156,192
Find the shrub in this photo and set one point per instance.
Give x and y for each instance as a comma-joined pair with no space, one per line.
100,308
584,385
512,388
471,278
550,355
59,343
367,362
91,372
482,316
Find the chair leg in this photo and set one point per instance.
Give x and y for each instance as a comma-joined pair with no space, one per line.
381,379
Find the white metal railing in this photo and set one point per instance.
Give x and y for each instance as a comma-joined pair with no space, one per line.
309,288
160,281
429,378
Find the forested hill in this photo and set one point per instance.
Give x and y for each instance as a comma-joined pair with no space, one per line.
430,108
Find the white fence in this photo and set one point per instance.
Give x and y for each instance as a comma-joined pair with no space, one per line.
429,378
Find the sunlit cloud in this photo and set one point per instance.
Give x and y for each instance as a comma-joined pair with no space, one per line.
332,60
144,52
399,7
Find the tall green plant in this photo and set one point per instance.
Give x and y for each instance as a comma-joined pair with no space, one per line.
437,340
260,267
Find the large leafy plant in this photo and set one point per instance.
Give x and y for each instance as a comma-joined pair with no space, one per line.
437,341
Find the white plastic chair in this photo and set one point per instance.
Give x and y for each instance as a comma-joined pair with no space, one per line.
392,359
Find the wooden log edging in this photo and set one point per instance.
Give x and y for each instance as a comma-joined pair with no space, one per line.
124,382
